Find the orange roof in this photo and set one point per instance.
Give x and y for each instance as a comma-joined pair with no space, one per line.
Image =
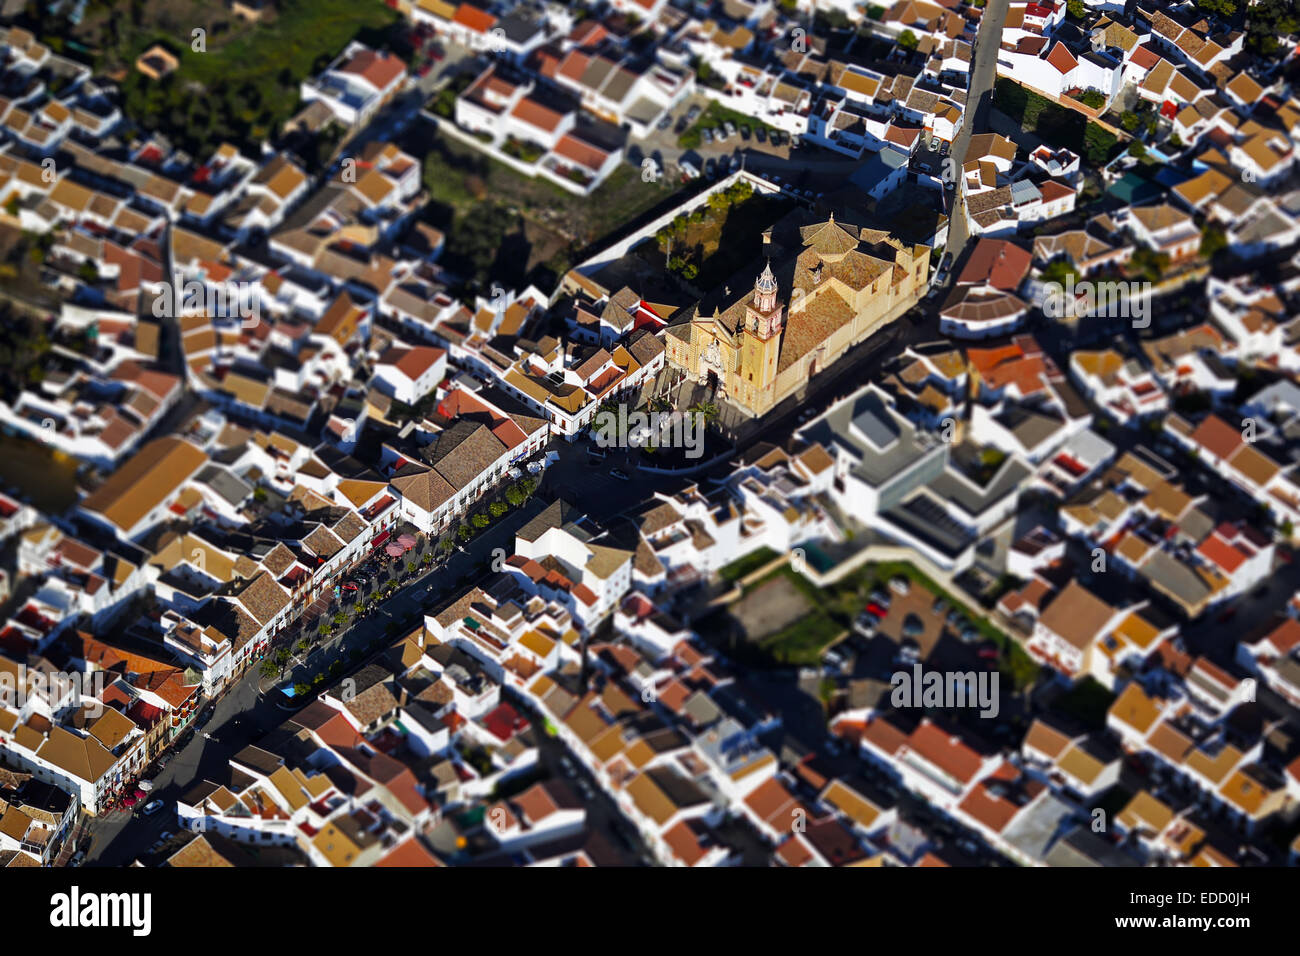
1217,437
946,751
1061,59
577,151
534,113
377,69
474,18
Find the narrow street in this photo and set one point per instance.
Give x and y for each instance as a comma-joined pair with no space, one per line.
977,118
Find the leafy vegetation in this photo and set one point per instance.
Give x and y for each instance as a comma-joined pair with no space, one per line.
747,565
1055,124
245,80
1267,21
1213,241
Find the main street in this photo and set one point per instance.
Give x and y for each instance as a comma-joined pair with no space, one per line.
979,108
251,707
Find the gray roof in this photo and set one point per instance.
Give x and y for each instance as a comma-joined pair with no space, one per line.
225,483
1033,831
858,425
1082,847
973,500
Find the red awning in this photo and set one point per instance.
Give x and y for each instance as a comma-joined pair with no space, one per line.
380,539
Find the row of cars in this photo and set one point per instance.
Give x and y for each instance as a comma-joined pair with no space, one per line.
912,627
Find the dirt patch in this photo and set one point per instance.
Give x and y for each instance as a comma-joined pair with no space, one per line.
770,608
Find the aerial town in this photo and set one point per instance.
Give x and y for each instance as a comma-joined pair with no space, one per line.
649,433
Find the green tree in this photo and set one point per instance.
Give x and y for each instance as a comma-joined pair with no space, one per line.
1097,144
1059,271
1147,264
464,532
1213,241
908,41
301,690
267,669
497,509
479,520
447,546
1076,9
1129,120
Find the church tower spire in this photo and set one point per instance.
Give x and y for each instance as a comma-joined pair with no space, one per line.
765,291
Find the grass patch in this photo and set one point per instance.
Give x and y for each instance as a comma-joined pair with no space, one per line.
246,84
503,226
1053,123
802,643
747,565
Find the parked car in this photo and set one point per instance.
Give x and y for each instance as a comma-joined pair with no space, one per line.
706,135
692,114
424,70
664,123
989,651
969,635
152,808
78,858
879,597
719,134
620,474
730,127
909,652
899,584
689,172
876,609
760,134
913,626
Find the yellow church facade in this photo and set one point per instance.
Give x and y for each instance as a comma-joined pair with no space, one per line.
809,305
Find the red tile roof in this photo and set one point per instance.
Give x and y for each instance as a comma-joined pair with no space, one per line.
474,18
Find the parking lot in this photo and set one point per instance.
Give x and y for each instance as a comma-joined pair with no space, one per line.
899,629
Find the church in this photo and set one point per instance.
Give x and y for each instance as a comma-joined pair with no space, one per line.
824,287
